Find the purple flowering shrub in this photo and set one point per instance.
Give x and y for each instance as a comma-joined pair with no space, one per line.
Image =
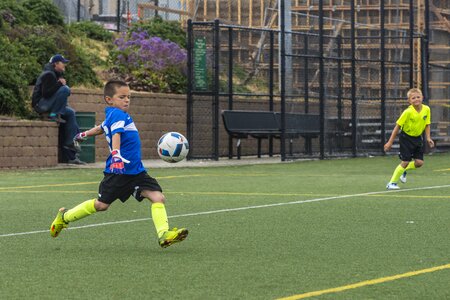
150,63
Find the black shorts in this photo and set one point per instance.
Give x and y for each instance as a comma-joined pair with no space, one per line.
114,186
411,147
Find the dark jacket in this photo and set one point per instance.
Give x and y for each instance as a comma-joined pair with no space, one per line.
46,85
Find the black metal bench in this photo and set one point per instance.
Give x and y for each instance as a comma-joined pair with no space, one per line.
265,124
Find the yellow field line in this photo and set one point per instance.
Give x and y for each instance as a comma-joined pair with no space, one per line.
166,177
85,183
187,193
409,196
162,177
365,283
240,194
47,185
53,191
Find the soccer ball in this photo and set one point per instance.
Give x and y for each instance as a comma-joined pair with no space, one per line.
173,147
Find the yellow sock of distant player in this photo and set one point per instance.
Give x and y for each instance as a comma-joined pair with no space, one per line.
159,217
410,166
80,211
397,173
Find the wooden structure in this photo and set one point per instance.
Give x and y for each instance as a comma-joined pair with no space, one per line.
264,14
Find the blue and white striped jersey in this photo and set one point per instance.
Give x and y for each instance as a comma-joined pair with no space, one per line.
118,121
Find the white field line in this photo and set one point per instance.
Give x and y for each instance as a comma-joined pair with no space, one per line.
236,209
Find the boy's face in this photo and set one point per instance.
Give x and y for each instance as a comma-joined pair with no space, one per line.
415,99
121,98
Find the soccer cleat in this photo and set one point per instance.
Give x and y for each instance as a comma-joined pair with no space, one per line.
172,236
392,186
59,223
403,177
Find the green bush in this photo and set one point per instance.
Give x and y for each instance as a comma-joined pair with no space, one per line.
166,30
32,12
16,65
44,41
44,12
79,71
91,30
14,12
41,40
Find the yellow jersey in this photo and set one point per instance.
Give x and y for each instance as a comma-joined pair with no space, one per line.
413,123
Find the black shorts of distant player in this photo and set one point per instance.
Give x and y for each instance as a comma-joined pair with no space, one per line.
411,147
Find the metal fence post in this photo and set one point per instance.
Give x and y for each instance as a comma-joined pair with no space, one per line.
216,99
382,76
189,82
230,85
353,75
339,143
411,44
425,53
271,83
305,73
78,10
118,16
282,67
321,82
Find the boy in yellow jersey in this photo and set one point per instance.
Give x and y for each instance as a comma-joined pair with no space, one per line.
413,122
124,174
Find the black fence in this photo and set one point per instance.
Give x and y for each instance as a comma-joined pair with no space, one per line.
354,79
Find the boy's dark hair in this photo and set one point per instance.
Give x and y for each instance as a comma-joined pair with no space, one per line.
111,86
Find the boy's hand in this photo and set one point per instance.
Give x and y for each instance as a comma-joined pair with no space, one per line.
430,143
387,146
117,162
80,137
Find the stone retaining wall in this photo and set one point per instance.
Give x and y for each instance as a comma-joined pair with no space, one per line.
25,144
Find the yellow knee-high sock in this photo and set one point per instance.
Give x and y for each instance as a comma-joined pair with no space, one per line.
410,166
397,173
159,217
80,211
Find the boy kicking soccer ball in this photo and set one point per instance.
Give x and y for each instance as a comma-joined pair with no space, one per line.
413,122
124,174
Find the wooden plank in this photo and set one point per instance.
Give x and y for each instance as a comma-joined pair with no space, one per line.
250,13
217,9
239,12
163,9
262,13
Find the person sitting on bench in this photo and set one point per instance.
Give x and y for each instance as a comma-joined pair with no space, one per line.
50,97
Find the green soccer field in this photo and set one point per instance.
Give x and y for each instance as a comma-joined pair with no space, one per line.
311,229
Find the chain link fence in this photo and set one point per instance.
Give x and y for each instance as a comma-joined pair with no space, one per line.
352,76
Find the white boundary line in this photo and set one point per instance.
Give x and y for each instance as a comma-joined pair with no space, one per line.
235,209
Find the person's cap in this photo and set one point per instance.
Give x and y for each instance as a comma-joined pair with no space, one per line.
58,57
